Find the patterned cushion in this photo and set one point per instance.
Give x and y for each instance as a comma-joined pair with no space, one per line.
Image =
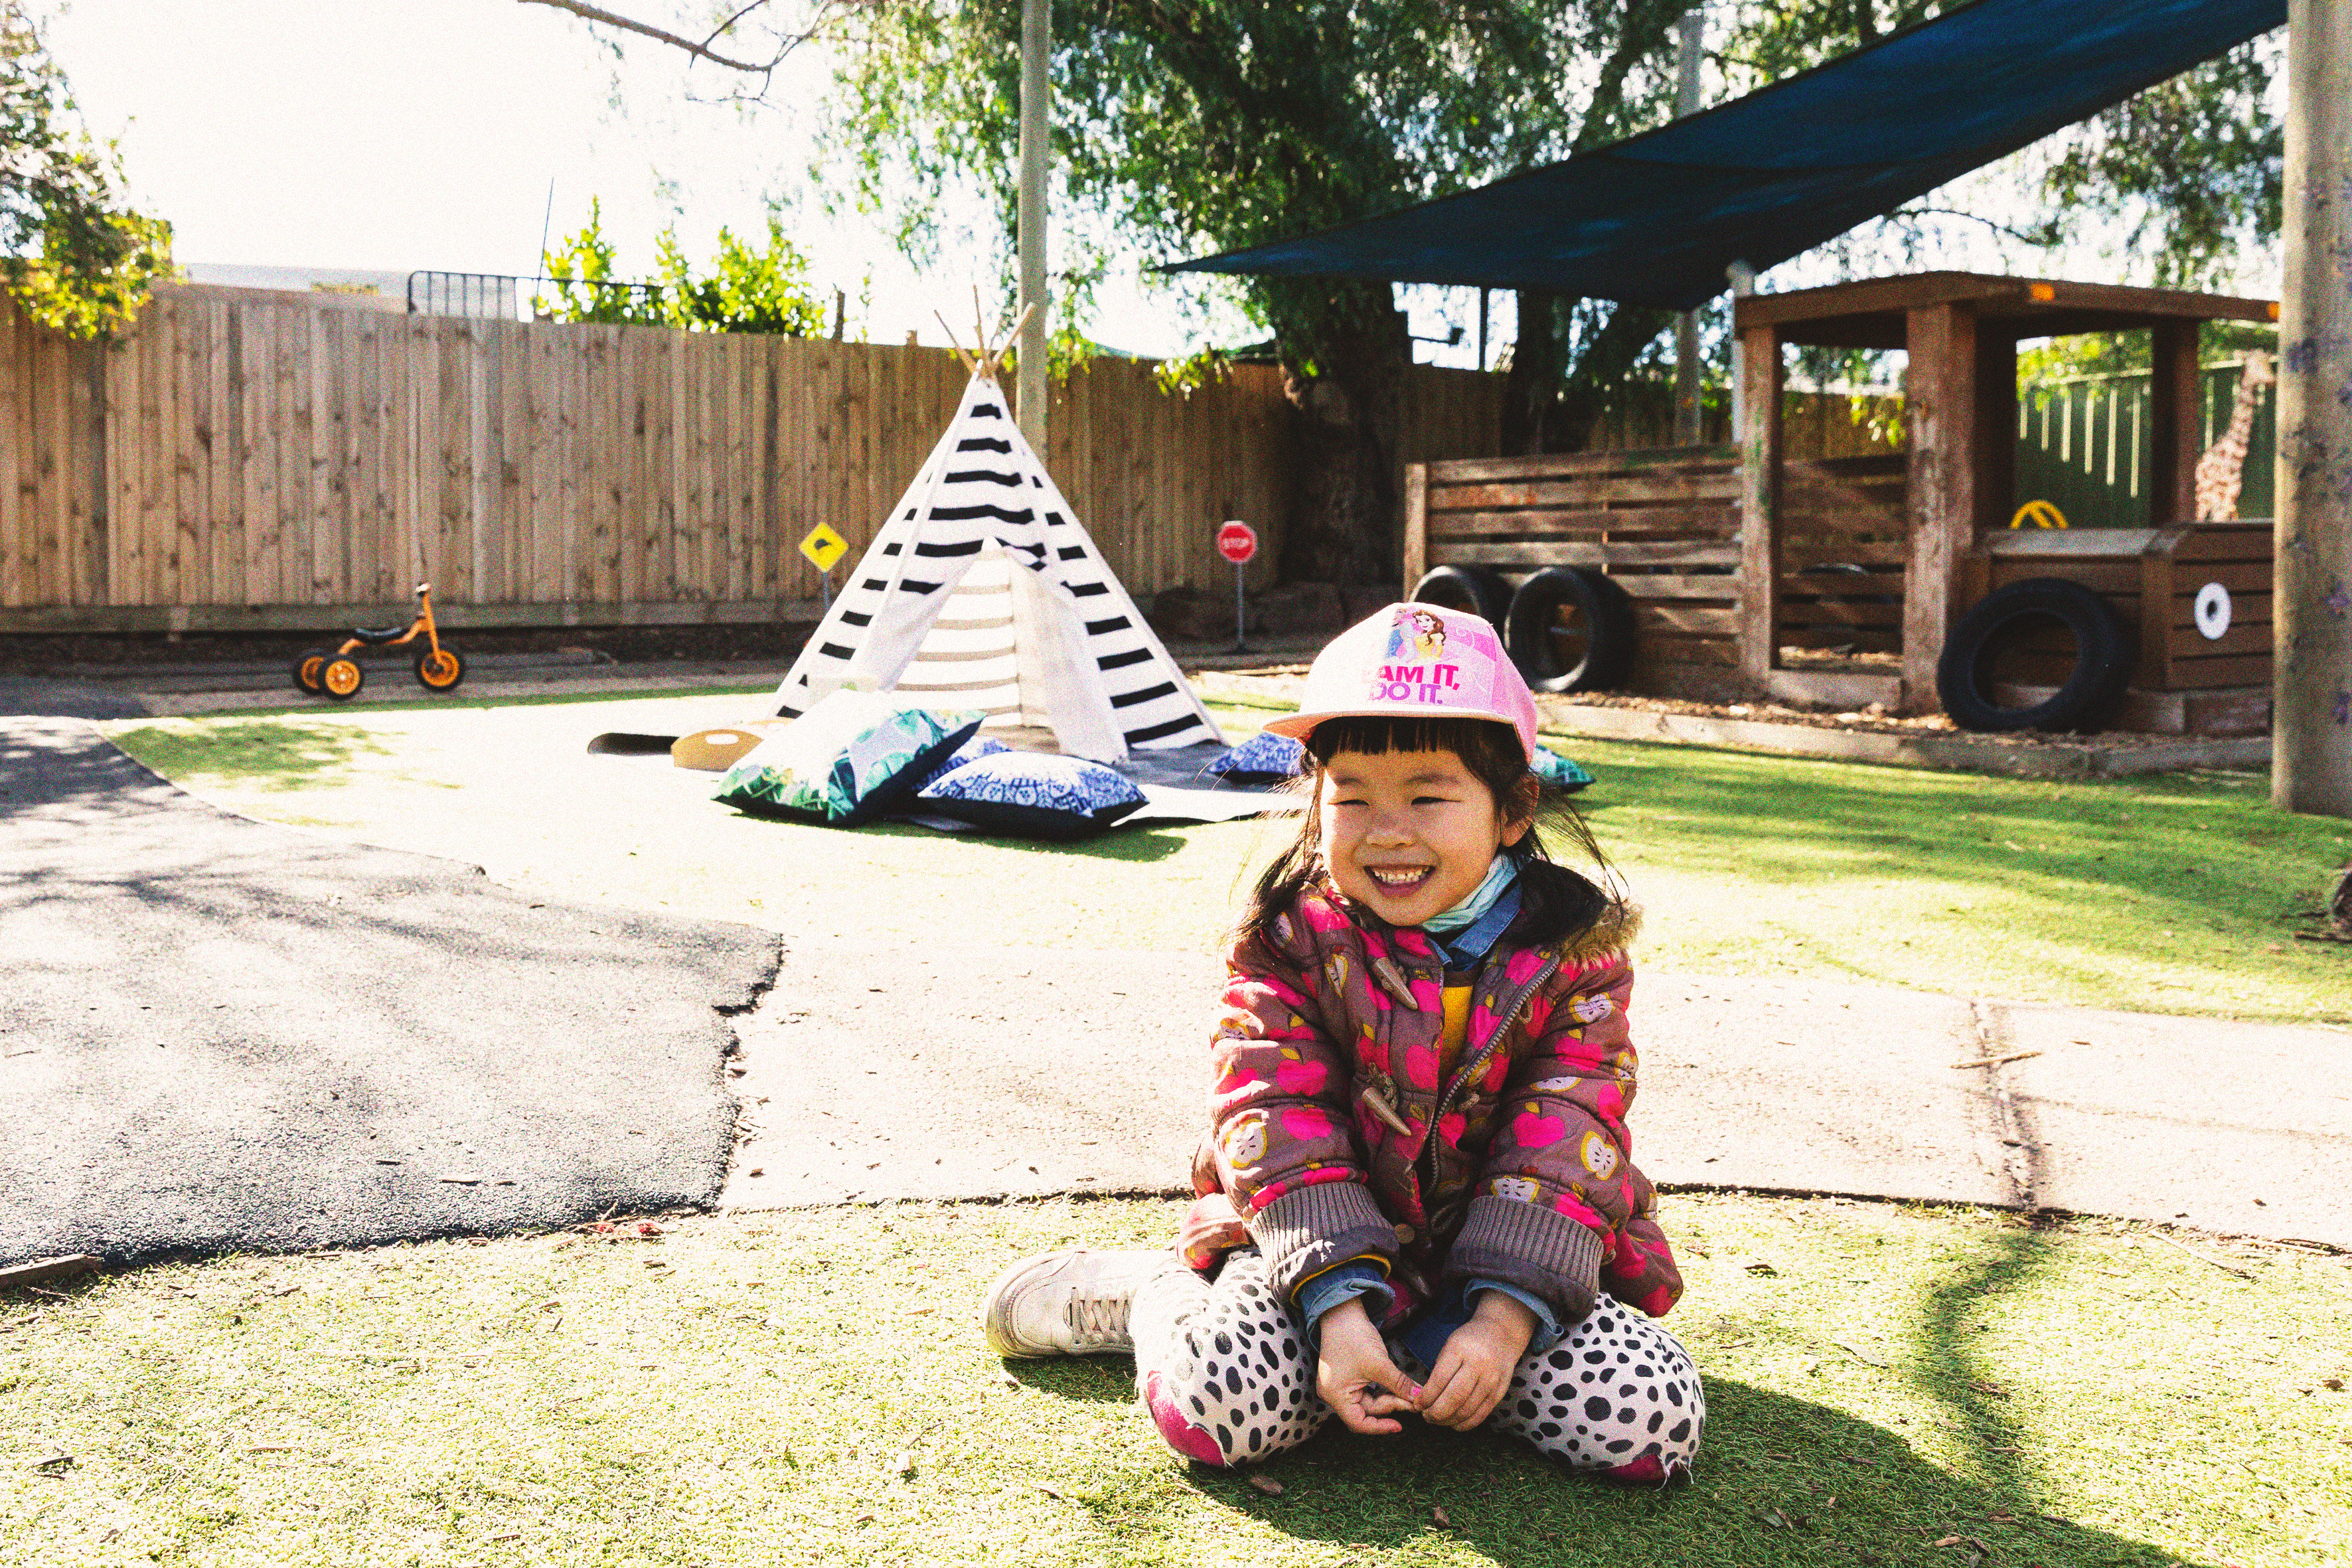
1262,759
1029,795
852,757
971,751
1556,771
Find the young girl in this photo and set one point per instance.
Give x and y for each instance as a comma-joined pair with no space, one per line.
1417,1197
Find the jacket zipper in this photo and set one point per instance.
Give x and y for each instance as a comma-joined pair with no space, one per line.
1494,1044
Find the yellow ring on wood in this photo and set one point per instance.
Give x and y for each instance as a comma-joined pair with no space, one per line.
2040,513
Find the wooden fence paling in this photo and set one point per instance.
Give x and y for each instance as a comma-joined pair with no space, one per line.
245,457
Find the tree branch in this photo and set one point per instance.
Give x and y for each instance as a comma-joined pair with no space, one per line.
2022,235
702,51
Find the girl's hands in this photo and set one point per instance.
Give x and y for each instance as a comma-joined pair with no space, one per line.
1474,1370
1355,1377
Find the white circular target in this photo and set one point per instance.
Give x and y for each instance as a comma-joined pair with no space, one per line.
2212,611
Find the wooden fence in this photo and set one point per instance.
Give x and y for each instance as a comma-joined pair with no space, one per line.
246,458
1663,524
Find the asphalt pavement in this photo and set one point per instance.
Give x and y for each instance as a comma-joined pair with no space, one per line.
218,1035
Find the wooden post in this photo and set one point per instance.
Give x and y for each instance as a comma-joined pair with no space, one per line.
1688,56
1029,376
1759,502
2175,437
1992,443
1416,527
1940,406
2310,733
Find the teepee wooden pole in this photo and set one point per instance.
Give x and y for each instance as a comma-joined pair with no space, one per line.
997,360
956,348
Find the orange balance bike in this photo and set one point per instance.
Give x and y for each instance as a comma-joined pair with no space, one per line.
439,667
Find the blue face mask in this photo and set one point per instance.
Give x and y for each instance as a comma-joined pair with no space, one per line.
1464,932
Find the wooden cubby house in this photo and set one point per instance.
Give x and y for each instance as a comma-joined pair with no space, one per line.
1834,583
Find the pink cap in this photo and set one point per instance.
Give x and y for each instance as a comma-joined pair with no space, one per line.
1415,661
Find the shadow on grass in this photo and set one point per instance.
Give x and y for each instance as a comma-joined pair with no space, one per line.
2114,861
273,753
1783,1481
1090,1380
1140,845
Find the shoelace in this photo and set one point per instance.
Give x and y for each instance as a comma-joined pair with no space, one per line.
1098,1319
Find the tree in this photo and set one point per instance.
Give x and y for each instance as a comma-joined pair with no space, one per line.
74,255
746,290
2190,168
1199,125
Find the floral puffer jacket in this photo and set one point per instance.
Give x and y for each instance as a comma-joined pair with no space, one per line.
1333,1138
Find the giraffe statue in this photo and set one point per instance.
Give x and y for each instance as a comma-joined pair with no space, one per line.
2221,470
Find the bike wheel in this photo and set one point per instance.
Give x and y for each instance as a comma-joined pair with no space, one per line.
440,669
340,678
306,670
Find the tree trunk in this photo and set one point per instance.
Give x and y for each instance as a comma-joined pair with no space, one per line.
2311,739
1346,353
1531,391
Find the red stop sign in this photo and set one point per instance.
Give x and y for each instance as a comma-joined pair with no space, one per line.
1237,543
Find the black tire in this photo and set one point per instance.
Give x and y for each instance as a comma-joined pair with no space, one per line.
1571,629
2101,660
306,669
341,677
451,668
1477,589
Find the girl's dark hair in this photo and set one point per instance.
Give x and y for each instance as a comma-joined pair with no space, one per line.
1555,903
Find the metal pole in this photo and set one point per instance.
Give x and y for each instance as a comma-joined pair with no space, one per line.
1482,328
1036,48
1241,616
1686,412
2311,724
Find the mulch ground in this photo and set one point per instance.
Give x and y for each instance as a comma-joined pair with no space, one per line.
88,653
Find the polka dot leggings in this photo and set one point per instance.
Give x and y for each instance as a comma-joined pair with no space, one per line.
1226,1372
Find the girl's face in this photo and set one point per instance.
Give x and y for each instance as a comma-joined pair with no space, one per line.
1408,834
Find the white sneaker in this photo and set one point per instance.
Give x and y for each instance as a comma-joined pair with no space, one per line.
1068,1303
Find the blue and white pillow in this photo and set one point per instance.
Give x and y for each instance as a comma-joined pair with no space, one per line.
971,751
1264,758
1559,772
1029,794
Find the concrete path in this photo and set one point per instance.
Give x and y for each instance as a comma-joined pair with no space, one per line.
969,1071
222,1028
219,1035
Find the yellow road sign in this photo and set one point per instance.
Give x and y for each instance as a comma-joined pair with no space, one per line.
823,547
2040,513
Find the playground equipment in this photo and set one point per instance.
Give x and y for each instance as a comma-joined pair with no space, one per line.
337,674
1734,571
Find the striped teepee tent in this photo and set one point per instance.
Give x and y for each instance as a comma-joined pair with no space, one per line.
983,590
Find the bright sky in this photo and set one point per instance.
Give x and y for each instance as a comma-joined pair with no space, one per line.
396,134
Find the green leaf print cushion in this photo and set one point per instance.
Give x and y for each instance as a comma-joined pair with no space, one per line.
852,757
879,772
1560,773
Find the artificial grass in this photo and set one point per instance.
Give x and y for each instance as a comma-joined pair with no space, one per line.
2170,893
1886,1384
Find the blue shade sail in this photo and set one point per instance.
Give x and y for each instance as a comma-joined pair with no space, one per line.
1656,219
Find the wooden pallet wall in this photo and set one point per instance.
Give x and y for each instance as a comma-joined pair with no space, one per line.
1843,553
1663,523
